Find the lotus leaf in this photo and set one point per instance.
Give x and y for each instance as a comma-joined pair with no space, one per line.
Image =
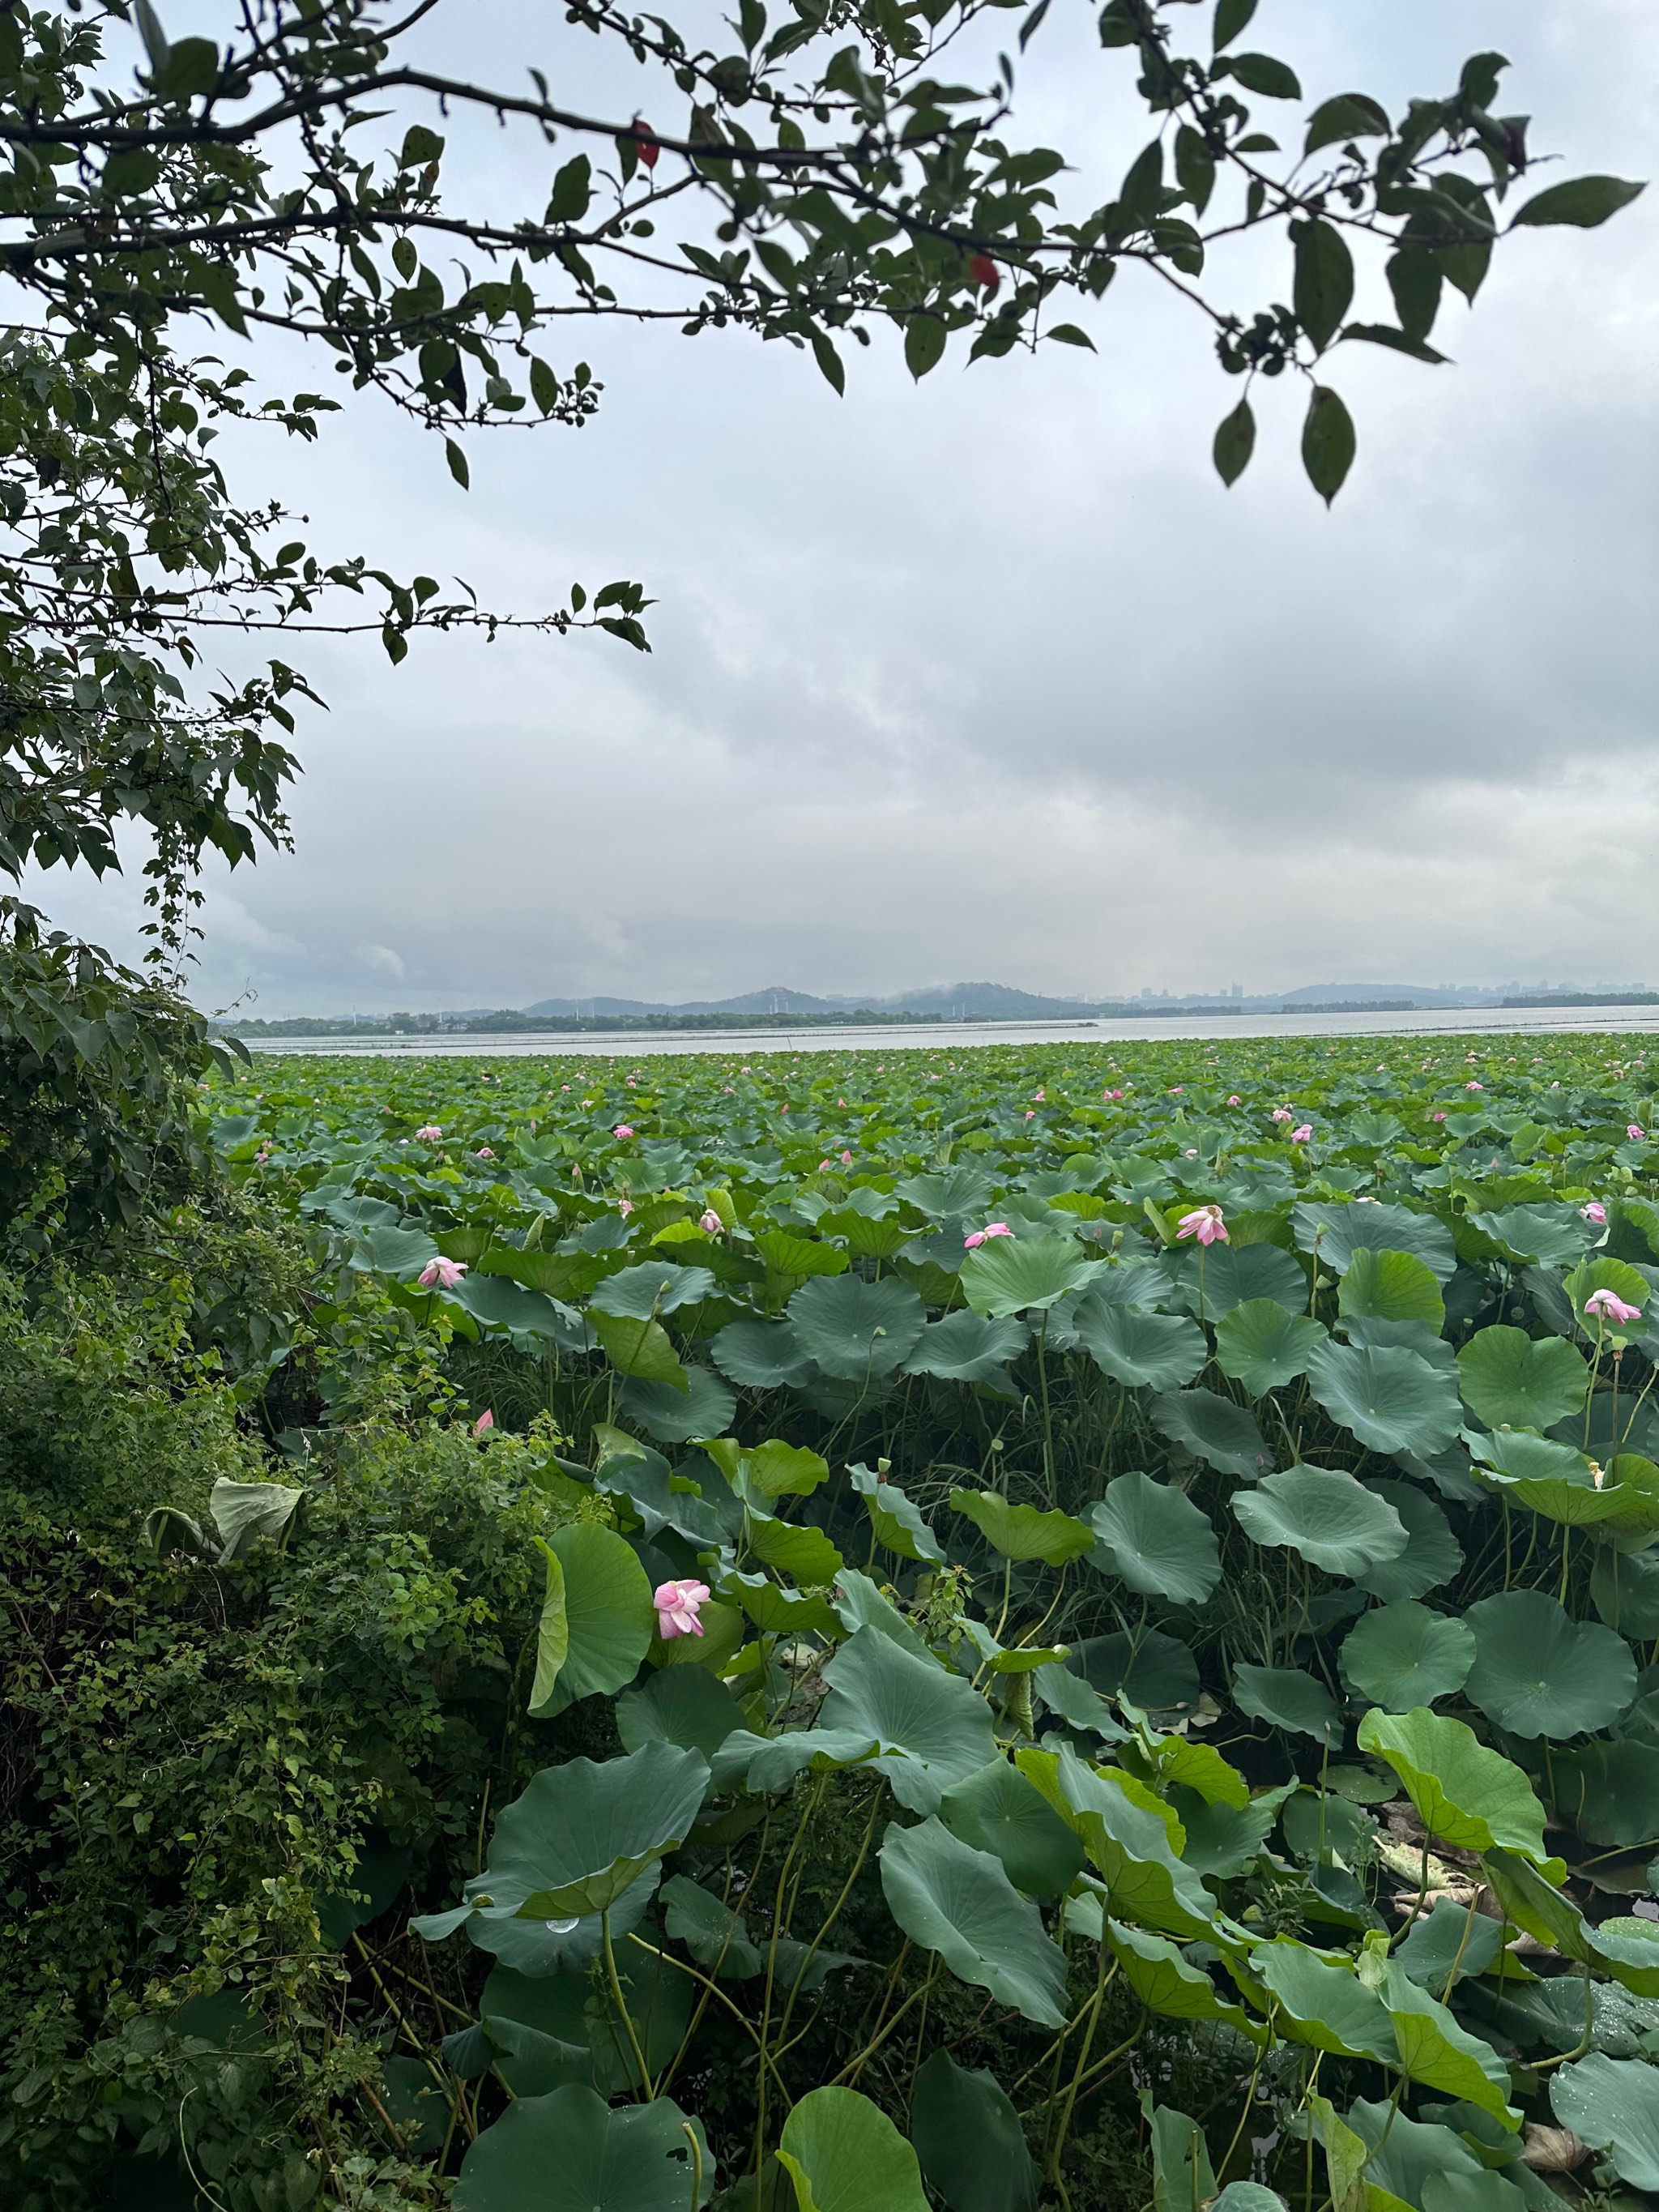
1402,1655
1539,1673
1324,1514
950,1898
969,2138
1152,1537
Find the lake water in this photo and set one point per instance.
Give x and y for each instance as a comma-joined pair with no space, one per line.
1474,1021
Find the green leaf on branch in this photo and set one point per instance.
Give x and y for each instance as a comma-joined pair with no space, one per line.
1583,202
1329,442
924,343
1235,442
1264,75
1323,282
1349,115
1231,16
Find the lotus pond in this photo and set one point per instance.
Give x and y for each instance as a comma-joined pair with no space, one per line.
1173,1714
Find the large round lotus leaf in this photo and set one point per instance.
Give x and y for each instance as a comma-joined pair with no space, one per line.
1324,1514
1538,1673
703,1408
935,1728
966,1347
1286,1697
1152,1537
571,2152
1383,1285
1509,1380
1024,1275
1338,1232
844,2154
604,1596
1210,1283
856,1329
1432,1554
1264,1347
970,2139
1140,1350
1403,1655
1551,1236
761,1355
579,1834
1154,1671
952,1195
1612,2105
999,1810
1391,1400
1467,1796
1022,1532
686,1705
1625,1589
947,1896
655,1287
1213,1429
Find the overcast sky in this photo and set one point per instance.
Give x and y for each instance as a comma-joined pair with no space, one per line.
989,677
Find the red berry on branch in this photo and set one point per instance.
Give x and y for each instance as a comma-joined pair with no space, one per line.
984,271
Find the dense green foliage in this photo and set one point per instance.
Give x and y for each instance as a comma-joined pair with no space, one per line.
1166,1715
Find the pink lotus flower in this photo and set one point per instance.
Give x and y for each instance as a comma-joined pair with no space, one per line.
677,1605
1191,1153
710,1222
483,1152
624,1206
1283,1114
1474,1086
1301,1136
1176,1089
1634,1133
261,1156
1111,1094
1235,1100
1204,1222
485,1423
1608,1306
441,1274
1595,1211
429,1132
1030,1113
621,1131
847,1159
1436,1117
977,1236
823,1166
1042,1098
